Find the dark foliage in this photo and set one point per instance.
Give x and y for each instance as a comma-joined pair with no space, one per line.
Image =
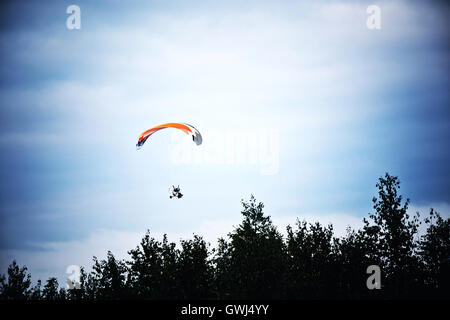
256,262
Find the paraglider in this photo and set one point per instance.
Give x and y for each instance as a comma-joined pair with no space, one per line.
186,128
175,192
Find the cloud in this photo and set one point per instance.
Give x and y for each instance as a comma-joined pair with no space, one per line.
73,104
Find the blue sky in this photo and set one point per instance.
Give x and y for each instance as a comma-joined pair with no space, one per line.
342,103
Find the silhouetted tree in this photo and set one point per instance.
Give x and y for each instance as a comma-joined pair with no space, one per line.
434,251
36,292
393,232
355,252
50,291
256,262
18,285
312,268
195,270
160,271
107,281
223,282
253,263
153,269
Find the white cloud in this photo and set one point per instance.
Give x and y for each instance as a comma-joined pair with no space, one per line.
305,69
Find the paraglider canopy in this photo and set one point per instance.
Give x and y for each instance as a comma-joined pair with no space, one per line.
186,128
174,192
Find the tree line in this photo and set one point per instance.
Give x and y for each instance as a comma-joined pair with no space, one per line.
256,262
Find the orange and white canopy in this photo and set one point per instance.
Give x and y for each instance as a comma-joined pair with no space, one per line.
186,128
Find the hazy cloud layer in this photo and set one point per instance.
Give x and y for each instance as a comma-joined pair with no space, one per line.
348,104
